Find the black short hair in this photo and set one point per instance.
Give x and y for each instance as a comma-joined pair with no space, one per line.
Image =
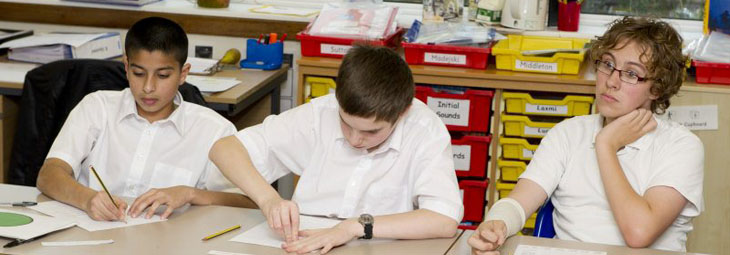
374,81
156,33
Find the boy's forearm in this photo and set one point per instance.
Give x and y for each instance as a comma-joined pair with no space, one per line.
207,197
58,183
418,224
231,157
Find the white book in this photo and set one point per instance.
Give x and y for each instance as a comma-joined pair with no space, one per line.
45,48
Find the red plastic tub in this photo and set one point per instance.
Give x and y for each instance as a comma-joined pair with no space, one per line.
335,47
709,72
446,55
471,155
468,111
473,197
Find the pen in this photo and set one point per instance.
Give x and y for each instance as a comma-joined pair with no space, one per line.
103,186
221,232
17,242
266,39
283,37
261,36
23,203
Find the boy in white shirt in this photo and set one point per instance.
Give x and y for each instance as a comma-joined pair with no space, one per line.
621,177
371,154
143,141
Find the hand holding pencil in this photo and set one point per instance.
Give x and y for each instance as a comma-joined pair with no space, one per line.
103,206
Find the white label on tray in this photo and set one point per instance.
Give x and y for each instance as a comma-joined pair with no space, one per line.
536,66
451,111
553,109
536,131
462,157
527,153
334,49
444,58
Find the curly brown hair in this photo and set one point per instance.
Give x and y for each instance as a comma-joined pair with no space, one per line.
662,54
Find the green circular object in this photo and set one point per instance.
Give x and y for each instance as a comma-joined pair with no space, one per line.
13,219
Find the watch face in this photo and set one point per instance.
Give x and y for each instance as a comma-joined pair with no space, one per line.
366,219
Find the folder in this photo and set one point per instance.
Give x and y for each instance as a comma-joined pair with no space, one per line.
45,48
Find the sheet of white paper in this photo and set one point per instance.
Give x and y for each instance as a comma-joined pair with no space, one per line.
201,65
74,40
14,72
543,250
261,234
280,10
39,226
211,84
63,211
78,243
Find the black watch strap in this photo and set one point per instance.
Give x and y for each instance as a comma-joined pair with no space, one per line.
368,231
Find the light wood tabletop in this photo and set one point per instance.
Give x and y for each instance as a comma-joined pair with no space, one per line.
182,234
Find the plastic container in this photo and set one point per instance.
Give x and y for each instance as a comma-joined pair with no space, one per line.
468,110
523,126
523,103
320,86
473,195
471,155
517,148
335,47
263,56
530,222
446,55
504,188
510,170
709,72
508,54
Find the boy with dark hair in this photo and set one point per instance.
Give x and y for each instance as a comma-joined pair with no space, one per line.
144,141
623,176
371,154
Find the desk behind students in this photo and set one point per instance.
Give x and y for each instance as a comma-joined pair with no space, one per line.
182,232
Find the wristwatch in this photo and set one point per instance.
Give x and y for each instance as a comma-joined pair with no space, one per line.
367,220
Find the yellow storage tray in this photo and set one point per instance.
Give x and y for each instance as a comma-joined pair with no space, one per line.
523,126
511,170
504,188
508,54
517,148
523,103
320,86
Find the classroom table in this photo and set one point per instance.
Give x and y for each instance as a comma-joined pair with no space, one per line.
182,233
461,246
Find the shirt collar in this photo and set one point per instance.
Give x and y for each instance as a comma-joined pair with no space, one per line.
640,144
128,109
392,142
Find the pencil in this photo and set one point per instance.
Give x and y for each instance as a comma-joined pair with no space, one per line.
103,186
221,232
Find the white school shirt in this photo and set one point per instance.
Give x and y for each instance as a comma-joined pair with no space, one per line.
565,166
131,155
412,169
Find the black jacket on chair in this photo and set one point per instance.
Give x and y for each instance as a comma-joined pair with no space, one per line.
50,92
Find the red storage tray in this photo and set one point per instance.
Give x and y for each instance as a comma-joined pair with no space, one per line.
473,194
335,47
446,55
708,72
471,155
451,107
